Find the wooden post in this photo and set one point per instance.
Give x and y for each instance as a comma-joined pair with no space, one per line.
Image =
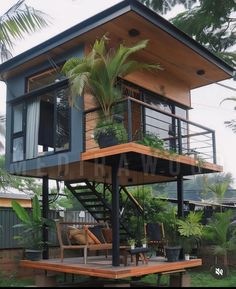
115,215
45,210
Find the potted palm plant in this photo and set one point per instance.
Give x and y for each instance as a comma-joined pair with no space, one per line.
30,236
190,230
98,74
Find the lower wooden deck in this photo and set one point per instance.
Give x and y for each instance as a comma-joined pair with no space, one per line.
101,267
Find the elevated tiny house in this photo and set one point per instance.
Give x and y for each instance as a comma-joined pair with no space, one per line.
49,138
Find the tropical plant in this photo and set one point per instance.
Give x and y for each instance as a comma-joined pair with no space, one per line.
152,140
219,190
168,216
108,127
222,234
191,230
98,74
31,227
19,20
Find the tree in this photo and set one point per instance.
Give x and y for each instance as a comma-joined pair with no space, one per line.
163,6
221,232
19,20
210,22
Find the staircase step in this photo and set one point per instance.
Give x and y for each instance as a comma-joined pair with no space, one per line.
90,200
91,206
83,194
99,211
103,219
81,188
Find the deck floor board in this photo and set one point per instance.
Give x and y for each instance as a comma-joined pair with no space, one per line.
100,267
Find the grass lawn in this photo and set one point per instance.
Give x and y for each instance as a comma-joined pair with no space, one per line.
205,279
14,282
198,279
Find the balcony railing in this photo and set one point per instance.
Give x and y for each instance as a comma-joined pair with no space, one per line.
178,134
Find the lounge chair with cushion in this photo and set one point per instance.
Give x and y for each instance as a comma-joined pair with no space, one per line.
84,236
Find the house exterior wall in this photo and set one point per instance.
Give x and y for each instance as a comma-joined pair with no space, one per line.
15,89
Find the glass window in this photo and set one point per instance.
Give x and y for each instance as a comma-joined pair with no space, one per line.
157,122
18,118
62,119
18,149
42,79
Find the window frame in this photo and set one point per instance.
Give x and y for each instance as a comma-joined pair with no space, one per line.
24,99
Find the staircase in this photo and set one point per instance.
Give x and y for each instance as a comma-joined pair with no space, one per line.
95,197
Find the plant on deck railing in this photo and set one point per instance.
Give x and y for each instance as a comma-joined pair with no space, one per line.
152,140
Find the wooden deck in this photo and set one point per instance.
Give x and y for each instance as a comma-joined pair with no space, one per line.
101,267
141,150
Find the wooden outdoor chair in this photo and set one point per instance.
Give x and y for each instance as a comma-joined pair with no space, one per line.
154,232
81,235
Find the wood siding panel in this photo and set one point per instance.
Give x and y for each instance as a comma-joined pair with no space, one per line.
164,84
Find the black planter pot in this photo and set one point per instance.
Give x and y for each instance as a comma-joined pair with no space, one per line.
33,255
172,253
107,140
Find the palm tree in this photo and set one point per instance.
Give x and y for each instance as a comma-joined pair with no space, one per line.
97,73
19,20
221,232
219,190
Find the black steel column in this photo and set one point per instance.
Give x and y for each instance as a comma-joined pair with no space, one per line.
180,196
45,210
115,215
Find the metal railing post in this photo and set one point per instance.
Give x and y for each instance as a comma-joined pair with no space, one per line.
130,129
179,137
214,147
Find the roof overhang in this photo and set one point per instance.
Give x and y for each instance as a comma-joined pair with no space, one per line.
179,54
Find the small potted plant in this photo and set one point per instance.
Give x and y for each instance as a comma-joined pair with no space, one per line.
132,243
109,133
30,236
144,242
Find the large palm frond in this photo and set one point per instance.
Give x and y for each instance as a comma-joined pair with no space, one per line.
98,72
19,20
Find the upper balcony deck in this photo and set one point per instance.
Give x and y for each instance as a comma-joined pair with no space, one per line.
158,142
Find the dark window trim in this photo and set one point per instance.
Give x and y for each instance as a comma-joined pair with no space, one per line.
40,72
24,99
39,91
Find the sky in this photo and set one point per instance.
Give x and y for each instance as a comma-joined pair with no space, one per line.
207,109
